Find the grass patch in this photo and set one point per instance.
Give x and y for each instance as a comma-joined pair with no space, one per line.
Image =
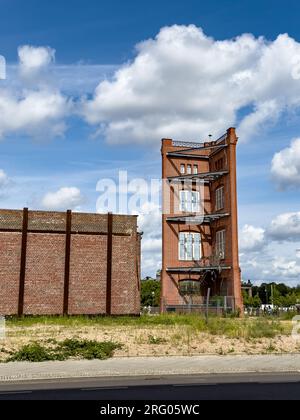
156,340
69,348
247,328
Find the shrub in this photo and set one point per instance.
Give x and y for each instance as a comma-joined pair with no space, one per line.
69,348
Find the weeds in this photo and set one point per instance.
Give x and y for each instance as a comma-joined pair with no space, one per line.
70,348
156,340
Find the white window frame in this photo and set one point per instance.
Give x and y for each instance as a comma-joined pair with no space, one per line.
189,169
189,246
220,243
182,168
220,198
195,169
189,201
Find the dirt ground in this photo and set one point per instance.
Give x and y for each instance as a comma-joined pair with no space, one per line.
150,341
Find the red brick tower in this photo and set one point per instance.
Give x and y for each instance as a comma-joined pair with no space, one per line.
199,223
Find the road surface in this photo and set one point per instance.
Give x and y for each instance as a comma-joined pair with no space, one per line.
272,386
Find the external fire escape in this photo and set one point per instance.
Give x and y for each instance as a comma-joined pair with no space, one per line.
206,265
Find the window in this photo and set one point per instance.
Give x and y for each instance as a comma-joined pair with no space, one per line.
189,287
195,169
220,244
182,168
220,198
189,201
189,246
189,169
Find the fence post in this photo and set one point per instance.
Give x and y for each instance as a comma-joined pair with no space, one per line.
67,262
23,262
109,262
207,303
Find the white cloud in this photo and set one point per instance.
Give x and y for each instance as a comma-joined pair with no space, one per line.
4,180
34,59
285,227
184,84
286,166
64,198
149,222
252,238
36,109
37,113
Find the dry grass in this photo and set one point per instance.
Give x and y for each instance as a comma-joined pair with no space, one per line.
158,336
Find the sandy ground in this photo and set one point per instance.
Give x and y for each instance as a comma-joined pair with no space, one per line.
150,341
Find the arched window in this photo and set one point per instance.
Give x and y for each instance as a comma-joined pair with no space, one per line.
189,287
189,246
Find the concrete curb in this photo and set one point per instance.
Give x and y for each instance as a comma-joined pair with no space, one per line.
149,366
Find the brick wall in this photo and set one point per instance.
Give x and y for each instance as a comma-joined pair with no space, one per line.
209,157
87,277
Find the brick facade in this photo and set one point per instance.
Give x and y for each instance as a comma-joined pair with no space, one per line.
216,167
82,284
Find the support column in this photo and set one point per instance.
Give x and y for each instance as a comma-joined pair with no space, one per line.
23,262
109,262
67,262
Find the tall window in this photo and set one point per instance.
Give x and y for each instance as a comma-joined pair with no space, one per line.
195,169
182,168
189,246
220,243
189,169
189,201
219,198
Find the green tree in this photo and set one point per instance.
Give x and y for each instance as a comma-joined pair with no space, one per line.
150,293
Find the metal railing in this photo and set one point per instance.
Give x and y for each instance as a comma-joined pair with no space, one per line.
218,305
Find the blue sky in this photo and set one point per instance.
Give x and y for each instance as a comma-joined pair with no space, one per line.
83,134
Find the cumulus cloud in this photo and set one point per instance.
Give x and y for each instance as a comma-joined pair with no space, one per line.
184,84
285,167
149,222
38,109
270,267
285,227
62,199
34,59
252,238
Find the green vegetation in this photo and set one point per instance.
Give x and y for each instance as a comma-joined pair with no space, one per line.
150,293
251,301
69,348
277,293
156,340
229,327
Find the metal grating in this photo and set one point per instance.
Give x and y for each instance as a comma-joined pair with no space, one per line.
186,144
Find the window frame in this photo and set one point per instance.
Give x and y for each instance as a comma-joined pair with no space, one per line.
190,252
219,198
220,246
194,288
191,203
182,168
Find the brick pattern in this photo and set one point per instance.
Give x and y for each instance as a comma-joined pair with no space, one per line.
10,256
228,282
45,263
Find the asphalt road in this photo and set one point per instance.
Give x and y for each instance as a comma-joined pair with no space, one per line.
283,386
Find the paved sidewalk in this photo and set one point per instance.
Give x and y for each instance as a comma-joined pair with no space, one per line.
149,366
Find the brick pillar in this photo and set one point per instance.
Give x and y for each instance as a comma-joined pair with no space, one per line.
235,272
